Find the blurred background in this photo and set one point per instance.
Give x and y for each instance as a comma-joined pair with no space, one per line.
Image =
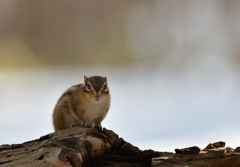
173,67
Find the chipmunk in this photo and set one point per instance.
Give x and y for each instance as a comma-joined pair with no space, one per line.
84,104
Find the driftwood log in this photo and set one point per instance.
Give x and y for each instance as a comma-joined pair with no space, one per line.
81,146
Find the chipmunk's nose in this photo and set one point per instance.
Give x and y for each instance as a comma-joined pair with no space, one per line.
97,96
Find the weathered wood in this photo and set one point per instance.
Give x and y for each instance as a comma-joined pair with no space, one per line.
214,155
87,147
70,147
74,147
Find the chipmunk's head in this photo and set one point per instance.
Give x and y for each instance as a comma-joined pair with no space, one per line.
96,87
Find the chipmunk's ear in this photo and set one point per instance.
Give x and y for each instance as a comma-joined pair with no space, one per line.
106,78
85,79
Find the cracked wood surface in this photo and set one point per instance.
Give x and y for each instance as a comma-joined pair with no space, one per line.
88,147
76,147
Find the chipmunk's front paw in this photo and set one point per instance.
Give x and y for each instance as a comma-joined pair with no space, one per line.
86,125
98,127
74,125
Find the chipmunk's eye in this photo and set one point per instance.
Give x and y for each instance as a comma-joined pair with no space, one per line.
88,87
105,86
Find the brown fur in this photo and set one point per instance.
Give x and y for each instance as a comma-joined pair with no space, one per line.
79,105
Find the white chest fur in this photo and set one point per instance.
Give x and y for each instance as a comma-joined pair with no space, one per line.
94,110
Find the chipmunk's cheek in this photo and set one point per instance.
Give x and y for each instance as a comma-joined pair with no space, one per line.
87,96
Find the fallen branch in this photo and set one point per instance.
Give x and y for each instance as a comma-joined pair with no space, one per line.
81,146
75,147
